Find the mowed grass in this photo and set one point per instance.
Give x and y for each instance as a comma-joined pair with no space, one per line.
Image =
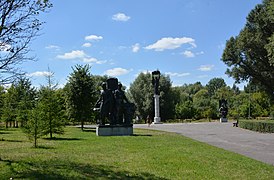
146,155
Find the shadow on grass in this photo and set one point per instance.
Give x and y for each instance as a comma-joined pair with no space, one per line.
63,139
4,132
8,140
44,147
148,135
93,130
55,169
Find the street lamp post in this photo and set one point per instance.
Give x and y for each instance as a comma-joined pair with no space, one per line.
155,81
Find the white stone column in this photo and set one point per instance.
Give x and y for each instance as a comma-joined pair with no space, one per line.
157,118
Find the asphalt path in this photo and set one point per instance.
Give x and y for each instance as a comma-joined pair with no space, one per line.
259,146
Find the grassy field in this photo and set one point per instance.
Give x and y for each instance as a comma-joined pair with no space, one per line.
146,155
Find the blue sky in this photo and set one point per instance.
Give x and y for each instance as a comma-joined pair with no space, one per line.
182,38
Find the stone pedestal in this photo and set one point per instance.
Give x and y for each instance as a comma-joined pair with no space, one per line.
114,130
157,118
223,120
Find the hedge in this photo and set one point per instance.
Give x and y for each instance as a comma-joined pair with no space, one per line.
255,125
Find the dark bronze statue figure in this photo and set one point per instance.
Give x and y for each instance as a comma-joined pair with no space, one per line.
105,103
155,81
223,109
114,105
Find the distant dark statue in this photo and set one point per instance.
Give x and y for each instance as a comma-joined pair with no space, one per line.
155,81
114,105
223,109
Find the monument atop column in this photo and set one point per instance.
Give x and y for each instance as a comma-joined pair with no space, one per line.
155,81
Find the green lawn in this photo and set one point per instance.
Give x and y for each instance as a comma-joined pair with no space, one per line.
146,155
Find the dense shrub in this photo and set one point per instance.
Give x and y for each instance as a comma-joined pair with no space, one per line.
255,125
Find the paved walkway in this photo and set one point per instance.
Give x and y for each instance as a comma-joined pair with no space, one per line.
255,145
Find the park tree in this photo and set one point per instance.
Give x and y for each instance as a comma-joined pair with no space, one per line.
34,127
249,56
141,94
50,109
10,104
184,108
18,101
167,98
26,95
2,95
204,105
214,85
19,24
80,94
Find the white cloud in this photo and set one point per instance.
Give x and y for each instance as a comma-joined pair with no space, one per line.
120,17
40,73
87,45
92,60
73,55
136,47
188,54
55,47
206,67
82,56
177,74
93,38
171,43
117,72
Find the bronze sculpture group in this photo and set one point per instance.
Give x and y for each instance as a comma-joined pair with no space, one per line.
113,104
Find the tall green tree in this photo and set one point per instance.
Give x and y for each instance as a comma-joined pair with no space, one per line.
34,127
26,95
19,25
2,96
141,94
204,105
50,110
10,106
249,55
214,84
80,94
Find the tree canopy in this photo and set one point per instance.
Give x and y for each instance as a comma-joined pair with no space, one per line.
141,93
249,55
80,94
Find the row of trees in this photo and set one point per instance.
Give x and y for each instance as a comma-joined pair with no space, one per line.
46,110
195,101
74,102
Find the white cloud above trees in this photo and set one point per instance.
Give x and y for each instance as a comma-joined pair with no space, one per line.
171,43
206,67
75,54
40,74
117,71
177,74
